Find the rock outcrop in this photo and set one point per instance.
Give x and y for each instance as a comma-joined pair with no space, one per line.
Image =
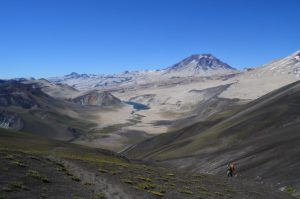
102,99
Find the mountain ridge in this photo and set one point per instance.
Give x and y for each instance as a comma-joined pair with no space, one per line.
194,57
197,65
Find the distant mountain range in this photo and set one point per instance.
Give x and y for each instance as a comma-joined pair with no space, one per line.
195,65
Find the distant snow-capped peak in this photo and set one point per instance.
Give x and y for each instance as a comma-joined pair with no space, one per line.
199,65
201,62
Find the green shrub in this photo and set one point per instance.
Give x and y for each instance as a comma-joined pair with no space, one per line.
289,190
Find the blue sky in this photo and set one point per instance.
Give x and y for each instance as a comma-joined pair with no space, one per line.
44,38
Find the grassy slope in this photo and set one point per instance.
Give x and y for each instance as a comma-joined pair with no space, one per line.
31,144
36,167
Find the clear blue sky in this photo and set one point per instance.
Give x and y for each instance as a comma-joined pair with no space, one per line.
45,38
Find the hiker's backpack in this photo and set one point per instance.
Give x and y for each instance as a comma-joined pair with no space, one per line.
232,167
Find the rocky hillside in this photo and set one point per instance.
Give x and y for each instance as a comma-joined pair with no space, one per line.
261,137
97,119
59,91
102,99
13,93
24,106
10,120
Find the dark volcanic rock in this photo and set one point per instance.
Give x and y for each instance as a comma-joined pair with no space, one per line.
14,93
10,121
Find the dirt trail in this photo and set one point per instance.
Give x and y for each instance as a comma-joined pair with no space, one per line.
115,190
100,184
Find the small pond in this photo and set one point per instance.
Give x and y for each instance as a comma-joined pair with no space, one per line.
138,106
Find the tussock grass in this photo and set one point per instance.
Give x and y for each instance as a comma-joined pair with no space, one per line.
156,193
170,185
9,157
219,194
289,190
2,195
77,197
202,189
88,183
186,191
143,179
164,179
103,170
20,164
99,196
18,185
76,179
37,175
35,158
230,190
145,186
115,172
127,181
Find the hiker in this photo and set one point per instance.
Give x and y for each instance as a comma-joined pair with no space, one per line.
230,169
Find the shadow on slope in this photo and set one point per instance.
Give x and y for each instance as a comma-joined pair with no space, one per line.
261,136
26,107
